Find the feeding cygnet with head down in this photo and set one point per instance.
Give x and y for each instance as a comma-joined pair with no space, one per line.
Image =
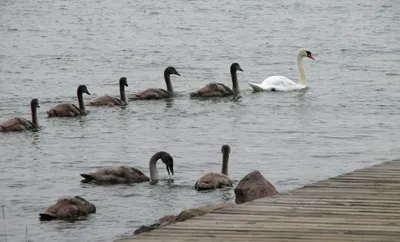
127,174
68,208
213,180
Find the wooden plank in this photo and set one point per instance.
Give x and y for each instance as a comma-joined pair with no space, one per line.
315,208
182,233
363,205
195,236
328,200
288,226
284,218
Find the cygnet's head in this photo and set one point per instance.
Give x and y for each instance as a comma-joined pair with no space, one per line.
35,103
169,163
235,67
83,89
171,70
305,53
123,81
225,149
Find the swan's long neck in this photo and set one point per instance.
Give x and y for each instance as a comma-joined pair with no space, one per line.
122,93
81,103
235,85
225,159
153,167
35,122
302,74
167,78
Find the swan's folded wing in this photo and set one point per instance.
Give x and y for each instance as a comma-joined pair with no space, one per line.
152,93
16,124
224,89
207,88
105,100
277,81
76,110
259,88
213,89
212,181
64,110
133,174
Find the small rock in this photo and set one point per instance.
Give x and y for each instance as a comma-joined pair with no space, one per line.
253,186
184,215
193,212
160,223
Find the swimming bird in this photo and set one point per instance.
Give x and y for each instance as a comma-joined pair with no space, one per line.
216,89
112,101
68,208
213,180
158,93
70,110
19,123
127,174
282,83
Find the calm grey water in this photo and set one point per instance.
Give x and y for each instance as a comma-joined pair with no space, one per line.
347,119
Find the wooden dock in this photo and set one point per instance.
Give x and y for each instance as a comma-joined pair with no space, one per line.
363,205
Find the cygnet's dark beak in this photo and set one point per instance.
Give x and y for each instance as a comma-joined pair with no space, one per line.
126,84
240,68
38,105
170,169
87,92
176,73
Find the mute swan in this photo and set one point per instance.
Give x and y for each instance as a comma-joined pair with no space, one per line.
213,180
70,110
127,174
112,101
19,123
281,83
216,89
158,93
68,208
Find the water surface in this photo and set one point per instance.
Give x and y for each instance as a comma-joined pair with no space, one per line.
347,119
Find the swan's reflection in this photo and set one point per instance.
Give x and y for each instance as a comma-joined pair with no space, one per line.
169,102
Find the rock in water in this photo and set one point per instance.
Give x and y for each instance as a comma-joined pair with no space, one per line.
253,186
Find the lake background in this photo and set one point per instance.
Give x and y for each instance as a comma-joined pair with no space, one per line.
348,119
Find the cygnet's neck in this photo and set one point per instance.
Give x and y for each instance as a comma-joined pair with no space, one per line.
153,167
235,85
81,103
225,160
122,94
167,77
35,121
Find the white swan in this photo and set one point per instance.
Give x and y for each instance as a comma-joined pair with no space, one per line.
281,83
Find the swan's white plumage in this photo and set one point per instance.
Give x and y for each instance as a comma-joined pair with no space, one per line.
282,83
277,83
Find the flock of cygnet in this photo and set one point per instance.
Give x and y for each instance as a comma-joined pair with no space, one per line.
73,207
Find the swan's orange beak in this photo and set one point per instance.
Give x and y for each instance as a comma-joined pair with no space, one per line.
310,56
